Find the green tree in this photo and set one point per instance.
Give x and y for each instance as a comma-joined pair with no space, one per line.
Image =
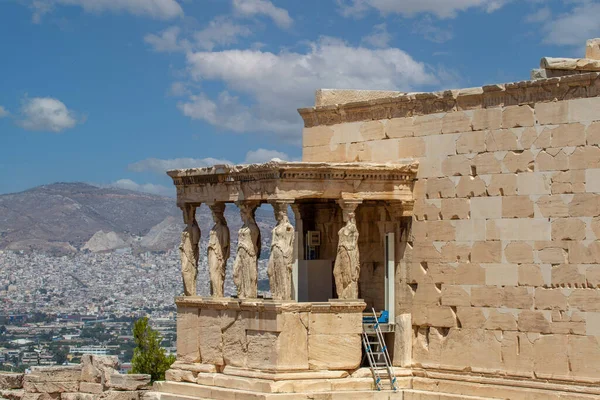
148,357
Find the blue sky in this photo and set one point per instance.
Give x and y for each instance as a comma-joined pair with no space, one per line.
114,92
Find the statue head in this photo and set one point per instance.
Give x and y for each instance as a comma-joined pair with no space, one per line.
280,210
218,210
247,211
189,213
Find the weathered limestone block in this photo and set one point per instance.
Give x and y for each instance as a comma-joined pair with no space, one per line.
189,250
179,375
129,381
592,275
399,127
372,130
317,136
486,296
582,252
501,274
210,337
455,296
50,387
457,121
470,317
328,153
585,205
517,207
517,297
584,157
502,185
469,274
569,275
529,183
487,163
592,178
455,208
519,162
552,113
430,124
553,206
486,207
89,387
11,380
549,362
120,395
584,356
334,351
518,229
501,321
469,186
440,188
528,138
486,252
427,209
568,229
54,374
484,349
440,230
550,299
568,135
54,396
533,321
585,300
518,253
235,344
592,49
501,139
592,134
487,118
292,348
334,323
427,294
531,275
72,396
456,166
410,147
517,353
258,342
187,333
472,142
516,116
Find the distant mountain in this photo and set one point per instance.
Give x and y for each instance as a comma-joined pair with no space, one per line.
67,217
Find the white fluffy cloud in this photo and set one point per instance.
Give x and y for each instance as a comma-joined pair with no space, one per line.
167,40
160,9
263,155
409,8
278,84
249,8
571,28
46,114
128,184
3,112
161,166
379,37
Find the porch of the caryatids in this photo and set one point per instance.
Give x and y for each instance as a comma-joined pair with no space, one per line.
189,251
281,260
218,250
346,270
245,267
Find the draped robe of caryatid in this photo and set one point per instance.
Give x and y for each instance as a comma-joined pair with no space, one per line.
245,267
218,251
346,270
281,259
189,251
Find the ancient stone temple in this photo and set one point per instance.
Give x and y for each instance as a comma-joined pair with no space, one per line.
472,217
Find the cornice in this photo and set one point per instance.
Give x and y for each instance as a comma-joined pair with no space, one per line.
518,93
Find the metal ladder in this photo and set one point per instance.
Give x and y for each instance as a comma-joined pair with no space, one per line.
379,358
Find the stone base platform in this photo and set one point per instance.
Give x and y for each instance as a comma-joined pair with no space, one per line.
413,384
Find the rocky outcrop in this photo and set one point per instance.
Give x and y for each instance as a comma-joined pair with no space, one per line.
104,241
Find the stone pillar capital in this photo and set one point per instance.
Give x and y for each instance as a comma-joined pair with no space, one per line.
395,209
189,212
348,207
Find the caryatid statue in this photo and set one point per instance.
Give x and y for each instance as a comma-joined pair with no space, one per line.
245,267
346,270
218,250
282,250
189,251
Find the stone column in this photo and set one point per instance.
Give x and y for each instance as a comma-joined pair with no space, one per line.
281,260
218,250
346,270
245,267
188,249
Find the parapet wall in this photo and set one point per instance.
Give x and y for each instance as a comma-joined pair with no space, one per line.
501,275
